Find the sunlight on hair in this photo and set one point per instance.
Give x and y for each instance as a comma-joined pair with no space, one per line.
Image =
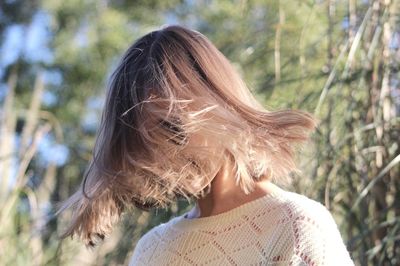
176,109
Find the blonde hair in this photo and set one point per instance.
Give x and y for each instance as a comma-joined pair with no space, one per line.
176,109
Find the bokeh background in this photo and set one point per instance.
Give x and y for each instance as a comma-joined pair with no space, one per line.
338,59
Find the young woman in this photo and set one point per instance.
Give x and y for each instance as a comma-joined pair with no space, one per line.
179,122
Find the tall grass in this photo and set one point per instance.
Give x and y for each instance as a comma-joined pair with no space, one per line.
357,156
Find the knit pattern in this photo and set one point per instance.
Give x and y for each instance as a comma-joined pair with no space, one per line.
284,228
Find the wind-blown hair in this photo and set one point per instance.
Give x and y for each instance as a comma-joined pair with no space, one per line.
176,109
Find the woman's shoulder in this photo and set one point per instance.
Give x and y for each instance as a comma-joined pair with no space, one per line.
298,204
308,214
145,246
315,232
153,233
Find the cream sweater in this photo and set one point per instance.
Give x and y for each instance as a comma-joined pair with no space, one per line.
283,228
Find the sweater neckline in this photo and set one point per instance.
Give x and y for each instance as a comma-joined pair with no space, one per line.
230,215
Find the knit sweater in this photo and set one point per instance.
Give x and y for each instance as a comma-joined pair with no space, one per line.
283,228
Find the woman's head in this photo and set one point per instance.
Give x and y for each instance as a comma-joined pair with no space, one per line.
175,111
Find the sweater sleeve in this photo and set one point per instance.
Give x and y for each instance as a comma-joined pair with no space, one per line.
137,256
144,249
318,240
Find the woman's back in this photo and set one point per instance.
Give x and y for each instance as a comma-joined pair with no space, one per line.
179,122
282,228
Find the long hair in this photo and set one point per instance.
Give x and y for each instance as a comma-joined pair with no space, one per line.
176,109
